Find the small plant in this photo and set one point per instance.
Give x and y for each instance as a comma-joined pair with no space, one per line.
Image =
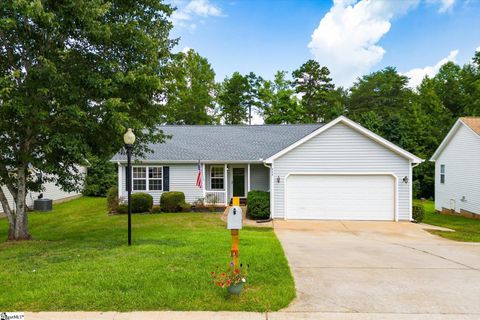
232,278
122,208
156,209
212,200
258,205
418,213
112,199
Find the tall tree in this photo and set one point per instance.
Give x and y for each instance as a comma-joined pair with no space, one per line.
234,99
278,102
73,76
191,90
313,84
448,86
470,77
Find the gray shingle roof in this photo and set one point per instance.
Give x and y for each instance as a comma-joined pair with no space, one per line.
225,142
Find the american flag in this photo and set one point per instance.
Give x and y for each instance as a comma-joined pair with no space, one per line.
199,176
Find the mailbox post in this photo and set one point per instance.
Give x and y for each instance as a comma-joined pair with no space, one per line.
234,224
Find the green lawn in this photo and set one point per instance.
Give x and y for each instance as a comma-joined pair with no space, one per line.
79,260
465,229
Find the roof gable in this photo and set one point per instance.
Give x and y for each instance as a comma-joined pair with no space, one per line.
472,123
387,144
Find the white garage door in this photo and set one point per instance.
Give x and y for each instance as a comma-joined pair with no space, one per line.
340,197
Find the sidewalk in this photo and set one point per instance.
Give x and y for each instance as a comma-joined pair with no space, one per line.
207,315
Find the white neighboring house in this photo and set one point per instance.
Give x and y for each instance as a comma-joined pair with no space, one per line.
333,171
51,191
457,168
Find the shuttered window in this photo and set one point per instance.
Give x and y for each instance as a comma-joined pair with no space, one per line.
153,181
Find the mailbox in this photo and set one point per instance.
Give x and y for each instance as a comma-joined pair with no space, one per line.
234,219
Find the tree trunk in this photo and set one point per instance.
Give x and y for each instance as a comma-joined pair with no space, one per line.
10,216
21,218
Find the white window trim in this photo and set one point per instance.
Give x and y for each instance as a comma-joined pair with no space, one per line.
442,174
147,178
223,177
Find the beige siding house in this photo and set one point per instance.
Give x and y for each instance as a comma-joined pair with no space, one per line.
457,168
334,171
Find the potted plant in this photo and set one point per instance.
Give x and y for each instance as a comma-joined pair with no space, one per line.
232,278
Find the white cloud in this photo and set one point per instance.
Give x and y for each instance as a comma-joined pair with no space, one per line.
478,49
445,5
347,36
416,75
187,12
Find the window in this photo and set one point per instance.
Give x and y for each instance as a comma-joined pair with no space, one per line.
442,173
155,178
217,178
139,178
143,182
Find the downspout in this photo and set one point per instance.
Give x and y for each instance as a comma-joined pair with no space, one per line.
271,189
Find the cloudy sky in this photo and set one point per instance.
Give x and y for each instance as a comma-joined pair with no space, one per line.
350,37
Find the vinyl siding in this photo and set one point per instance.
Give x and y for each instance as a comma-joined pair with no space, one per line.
461,158
182,178
260,179
51,191
342,149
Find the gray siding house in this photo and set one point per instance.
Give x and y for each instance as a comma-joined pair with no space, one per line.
457,168
334,171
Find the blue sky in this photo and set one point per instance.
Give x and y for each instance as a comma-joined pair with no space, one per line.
350,37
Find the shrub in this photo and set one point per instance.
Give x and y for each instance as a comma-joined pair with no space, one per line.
172,201
122,208
186,207
258,203
141,202
418,213
101,176
112,199
156,209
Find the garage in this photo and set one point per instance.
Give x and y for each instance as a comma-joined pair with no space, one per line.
340,196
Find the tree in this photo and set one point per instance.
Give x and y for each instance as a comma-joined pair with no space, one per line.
448,86
385,92
278,103
234,99
470,79
101,176
313,84
73,76
191,90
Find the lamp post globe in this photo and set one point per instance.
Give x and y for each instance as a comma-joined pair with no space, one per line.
129,137
129,140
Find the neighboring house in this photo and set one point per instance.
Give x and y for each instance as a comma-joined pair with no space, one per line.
335,171
457,168
51,191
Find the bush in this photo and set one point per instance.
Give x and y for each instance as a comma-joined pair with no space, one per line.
156,209
101,176
258,205
112,199
418,213
172,201
122,208
186,207
141,202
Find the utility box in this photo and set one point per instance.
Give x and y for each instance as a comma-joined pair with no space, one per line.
42,205
234,218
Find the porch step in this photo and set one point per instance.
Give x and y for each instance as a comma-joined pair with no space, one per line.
243,202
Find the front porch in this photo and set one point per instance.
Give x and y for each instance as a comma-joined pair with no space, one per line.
223,181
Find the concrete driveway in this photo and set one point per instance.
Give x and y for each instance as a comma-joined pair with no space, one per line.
389,269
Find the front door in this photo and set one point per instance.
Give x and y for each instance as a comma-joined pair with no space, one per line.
238,182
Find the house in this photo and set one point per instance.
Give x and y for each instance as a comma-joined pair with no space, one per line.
457,168
335,171
50,191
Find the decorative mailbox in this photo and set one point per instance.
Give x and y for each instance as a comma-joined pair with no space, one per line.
234,219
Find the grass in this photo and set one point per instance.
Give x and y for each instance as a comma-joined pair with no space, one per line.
466,229
79,260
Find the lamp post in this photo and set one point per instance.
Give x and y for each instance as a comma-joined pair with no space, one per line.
129,139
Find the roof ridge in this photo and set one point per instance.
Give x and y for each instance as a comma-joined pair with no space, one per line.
243,125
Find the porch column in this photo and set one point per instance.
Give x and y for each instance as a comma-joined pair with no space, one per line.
204,182
248,178
225,183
